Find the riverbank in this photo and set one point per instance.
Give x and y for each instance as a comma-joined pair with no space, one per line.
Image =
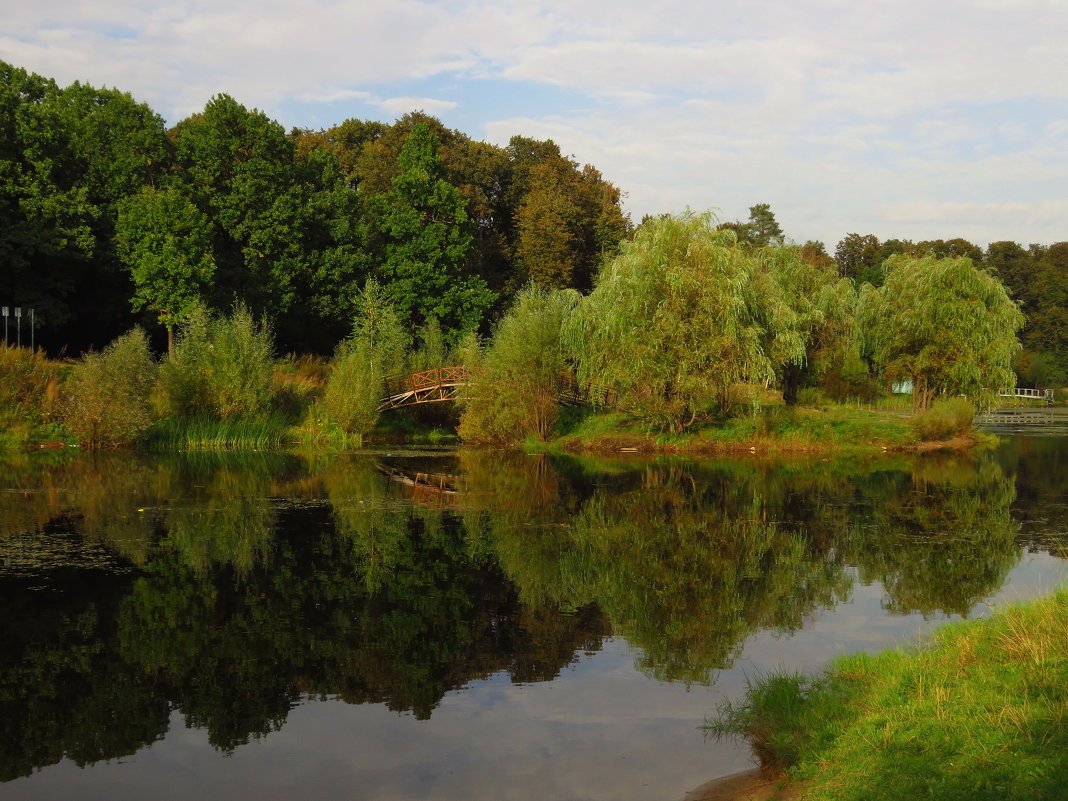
772,430
978,712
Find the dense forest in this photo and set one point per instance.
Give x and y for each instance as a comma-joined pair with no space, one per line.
109,218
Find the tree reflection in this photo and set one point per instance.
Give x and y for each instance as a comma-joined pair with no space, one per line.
231,588
944,540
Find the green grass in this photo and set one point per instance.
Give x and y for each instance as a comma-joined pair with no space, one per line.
978,713
201,432
772,427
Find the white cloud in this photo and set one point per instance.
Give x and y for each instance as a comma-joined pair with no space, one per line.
402,105
841,115
334,95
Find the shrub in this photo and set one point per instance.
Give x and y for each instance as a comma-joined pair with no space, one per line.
107,395
29,391
516,395
945,419
220,366
377,349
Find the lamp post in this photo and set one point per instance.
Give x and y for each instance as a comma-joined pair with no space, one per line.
18,324
5,324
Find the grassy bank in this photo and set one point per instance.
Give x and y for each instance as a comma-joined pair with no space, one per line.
979,712
770,429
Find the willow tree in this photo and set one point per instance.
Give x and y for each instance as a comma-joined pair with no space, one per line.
810,313
676,322
516,392
944,325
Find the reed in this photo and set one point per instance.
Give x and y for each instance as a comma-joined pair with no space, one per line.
205,432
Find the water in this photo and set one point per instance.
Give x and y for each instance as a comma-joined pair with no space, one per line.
459,625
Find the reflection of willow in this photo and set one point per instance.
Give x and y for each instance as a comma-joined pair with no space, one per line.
945,539
1040,465
684,575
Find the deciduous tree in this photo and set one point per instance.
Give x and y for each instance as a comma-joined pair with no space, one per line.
946,326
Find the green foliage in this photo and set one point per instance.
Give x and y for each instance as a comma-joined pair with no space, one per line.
432,350
945,419
946,326
812,312
221,366
975,714
107,394
515,395
29,393
355,386
67,156
675,322
426,242
165,242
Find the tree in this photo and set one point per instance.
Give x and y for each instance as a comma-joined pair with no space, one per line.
763,228
165,242
66,158
426,242
815,306
546,224
376,350
107,396
517,391
946,326
675,322
857,258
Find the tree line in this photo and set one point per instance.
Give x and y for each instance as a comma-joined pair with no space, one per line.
110,218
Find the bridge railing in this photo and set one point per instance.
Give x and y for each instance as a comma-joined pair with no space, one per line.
1027,392
422,379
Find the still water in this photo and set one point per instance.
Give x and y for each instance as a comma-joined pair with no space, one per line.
467,625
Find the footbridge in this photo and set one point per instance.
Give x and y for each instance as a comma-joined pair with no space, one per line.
437,384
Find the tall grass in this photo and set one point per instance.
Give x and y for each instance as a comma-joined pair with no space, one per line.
945,419
204,432
29,395
980,713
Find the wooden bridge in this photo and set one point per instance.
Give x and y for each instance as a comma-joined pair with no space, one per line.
438,384
425,386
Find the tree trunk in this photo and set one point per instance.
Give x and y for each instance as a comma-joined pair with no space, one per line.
791,383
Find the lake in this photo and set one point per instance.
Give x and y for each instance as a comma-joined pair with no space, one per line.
464,624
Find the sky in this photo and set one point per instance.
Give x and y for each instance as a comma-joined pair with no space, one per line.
915,120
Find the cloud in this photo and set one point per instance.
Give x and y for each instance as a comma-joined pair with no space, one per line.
841,115
402,105
334,95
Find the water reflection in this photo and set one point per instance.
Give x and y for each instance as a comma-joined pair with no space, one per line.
230,588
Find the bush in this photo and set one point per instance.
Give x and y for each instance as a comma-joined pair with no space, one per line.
377,349
353,390
220,366
945,419
516,394
29,393
107,395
